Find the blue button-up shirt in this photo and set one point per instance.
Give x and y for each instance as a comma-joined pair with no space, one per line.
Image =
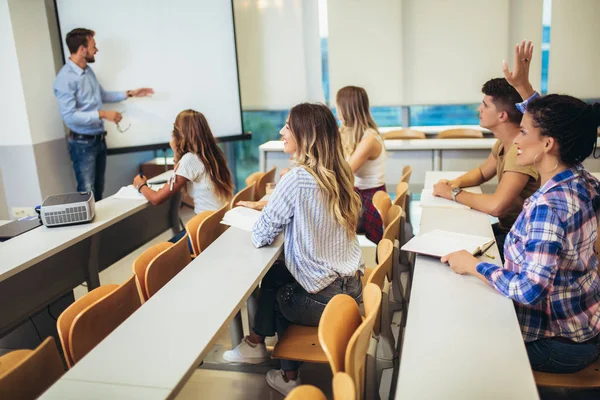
80,96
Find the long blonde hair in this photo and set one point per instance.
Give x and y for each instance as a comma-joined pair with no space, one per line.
191,134
319,151
353,104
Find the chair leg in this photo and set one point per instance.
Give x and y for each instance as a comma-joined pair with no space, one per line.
371,381
397,297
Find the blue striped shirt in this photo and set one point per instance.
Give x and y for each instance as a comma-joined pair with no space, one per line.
317,249
80,96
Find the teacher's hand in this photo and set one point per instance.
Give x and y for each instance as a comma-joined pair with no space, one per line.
142,92
109,115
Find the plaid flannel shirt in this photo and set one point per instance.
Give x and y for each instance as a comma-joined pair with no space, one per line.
551,268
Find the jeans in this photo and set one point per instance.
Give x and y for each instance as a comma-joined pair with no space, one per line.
551,355
177,237
283,301
500,236
89,163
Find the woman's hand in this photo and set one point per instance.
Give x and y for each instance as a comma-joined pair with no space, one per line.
462,262
255,205
139,181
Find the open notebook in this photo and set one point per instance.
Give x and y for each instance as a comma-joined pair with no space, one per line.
130,193
241,217
429,200
439,243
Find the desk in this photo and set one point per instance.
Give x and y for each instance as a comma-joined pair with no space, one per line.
432,130
462,338
161,344
43,264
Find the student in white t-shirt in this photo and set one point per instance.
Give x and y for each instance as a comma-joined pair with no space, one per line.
364,150
200,167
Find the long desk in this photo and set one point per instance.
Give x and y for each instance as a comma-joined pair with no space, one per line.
462,338
432,130
41,265
155,350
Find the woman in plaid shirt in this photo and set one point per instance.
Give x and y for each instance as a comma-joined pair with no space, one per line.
551,268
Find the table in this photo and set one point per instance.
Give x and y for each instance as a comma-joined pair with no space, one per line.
160,345
462,338
432,130
44,264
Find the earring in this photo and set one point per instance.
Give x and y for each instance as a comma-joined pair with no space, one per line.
535,166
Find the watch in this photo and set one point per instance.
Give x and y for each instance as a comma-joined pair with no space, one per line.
455,192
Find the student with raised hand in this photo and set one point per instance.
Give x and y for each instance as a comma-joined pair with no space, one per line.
200,167
317,208
365,151
499,114
551,268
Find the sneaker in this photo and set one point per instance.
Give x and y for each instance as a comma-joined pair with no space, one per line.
247,352
276,379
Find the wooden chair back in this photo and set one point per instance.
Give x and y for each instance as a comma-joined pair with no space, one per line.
406,174
99,319
140,265
339,321
356,352
306,392
343,387
403,134
26,374
253,177
385,249
211,228
192,228
587,378
246,194
65,320
261,185
166,265
382,203
401,195
392,227
460,133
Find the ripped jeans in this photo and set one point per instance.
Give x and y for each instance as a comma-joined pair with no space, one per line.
283,301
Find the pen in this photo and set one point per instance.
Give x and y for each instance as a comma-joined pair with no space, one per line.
481,250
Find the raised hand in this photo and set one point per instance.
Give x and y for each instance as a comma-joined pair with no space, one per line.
519,77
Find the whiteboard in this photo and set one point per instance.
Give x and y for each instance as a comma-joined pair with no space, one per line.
183,49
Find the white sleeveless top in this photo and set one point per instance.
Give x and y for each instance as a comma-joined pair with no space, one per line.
200,187
372,173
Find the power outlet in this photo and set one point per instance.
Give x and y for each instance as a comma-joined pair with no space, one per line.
20,212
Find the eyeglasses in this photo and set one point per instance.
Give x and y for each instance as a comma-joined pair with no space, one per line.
122,130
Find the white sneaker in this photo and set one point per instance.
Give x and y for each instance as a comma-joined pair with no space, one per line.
275,379
247,352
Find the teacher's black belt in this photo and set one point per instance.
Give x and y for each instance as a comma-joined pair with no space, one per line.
96,137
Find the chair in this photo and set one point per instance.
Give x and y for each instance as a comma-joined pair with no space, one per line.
211,228
460,133
90,319
140,265
587,378
26,374
261,185
246,194
401,195
162,268
382,203
403,134
192,229
253,177
342,384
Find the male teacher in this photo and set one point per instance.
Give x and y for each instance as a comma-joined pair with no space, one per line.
80,99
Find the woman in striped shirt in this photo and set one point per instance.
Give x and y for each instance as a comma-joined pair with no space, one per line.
551,268
317,208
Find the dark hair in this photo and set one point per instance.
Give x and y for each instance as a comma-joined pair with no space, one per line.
78,37
504,97
570,121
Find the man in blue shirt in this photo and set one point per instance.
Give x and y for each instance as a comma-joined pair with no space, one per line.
80,99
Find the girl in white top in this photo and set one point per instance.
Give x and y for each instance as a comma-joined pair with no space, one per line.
200,166
365,152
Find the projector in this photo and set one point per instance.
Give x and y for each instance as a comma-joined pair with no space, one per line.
67,209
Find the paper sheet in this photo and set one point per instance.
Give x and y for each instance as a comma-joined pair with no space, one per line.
130,193
439,243
241,217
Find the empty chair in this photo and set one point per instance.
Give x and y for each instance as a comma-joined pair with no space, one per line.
162,268
261,185
246,194
342,385
253,177
91,318
587,378
306,392
382,203
403,134
460,133
26,374
140,265
192,228
401,195
211,228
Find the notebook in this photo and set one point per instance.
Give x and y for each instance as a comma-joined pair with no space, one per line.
438,243
429,200
241,217
130,193
17,227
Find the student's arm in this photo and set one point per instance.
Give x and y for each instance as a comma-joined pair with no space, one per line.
368,148
158,197
278,212
519,78
477,176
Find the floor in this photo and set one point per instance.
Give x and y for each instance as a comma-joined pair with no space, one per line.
217,384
